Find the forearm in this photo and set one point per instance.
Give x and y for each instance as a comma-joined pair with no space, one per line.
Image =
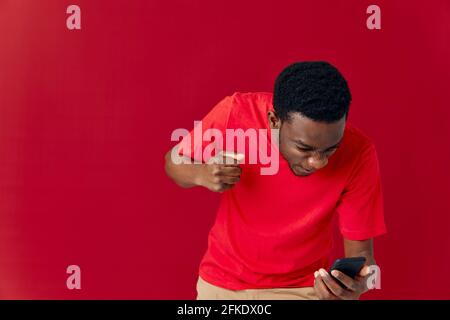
330,287
362,248
185,175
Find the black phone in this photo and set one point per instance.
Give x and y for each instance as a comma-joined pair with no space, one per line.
349,266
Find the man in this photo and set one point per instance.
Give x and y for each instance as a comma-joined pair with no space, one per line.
273,233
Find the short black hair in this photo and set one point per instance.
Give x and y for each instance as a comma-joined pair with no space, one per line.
315,89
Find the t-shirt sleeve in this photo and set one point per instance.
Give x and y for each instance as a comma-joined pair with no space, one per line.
207,136
360,208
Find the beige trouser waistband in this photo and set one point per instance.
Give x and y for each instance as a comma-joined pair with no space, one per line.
208,291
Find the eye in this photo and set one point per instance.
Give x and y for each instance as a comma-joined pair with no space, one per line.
303,149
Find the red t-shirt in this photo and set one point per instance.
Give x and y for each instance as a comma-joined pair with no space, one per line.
274,231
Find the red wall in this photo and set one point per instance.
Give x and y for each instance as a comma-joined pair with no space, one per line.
86,116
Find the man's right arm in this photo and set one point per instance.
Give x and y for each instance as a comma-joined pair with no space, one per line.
216,177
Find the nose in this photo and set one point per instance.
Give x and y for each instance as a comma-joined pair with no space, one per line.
316,162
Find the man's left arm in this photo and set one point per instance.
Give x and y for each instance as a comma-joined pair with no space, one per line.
361,218
328,288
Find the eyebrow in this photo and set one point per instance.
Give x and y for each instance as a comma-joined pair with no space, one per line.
314,148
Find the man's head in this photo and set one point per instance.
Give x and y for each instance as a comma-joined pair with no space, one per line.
311,102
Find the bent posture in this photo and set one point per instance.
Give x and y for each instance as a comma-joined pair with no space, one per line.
273,233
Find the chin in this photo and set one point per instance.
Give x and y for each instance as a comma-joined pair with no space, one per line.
300,173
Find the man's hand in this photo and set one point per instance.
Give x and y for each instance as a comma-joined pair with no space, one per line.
328,288
221,172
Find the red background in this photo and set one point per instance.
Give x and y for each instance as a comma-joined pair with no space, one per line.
86,117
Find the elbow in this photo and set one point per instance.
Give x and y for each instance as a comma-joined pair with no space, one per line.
169,168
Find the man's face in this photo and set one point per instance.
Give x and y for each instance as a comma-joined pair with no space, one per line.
306,144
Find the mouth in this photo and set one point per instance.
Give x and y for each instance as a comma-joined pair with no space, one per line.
302,171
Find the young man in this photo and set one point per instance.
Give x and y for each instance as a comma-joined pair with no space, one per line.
272,233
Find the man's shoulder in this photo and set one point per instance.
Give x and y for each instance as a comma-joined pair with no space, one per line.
357,135
249,109
357,141
252,96
252,99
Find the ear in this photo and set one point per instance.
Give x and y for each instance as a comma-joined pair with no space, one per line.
274,120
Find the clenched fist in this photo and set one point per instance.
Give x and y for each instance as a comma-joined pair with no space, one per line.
221,172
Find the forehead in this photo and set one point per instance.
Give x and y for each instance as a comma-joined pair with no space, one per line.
315,134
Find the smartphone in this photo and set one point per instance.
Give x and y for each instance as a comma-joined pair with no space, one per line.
348,266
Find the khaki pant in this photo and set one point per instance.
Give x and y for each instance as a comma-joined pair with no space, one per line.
207,291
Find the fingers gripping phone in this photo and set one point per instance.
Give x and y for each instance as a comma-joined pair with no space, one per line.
348,266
